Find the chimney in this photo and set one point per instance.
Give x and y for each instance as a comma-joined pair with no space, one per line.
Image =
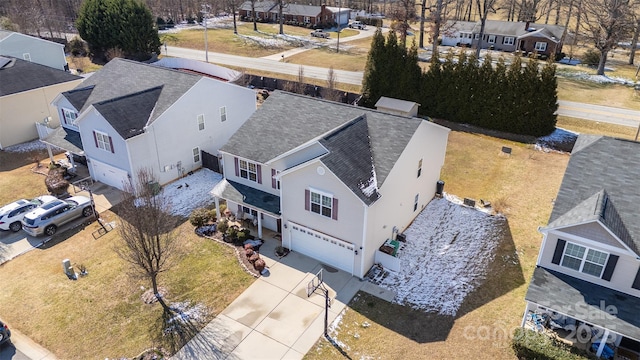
526,26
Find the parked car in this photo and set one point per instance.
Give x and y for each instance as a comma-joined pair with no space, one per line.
11,215
357,25
320,33
5,334
47,218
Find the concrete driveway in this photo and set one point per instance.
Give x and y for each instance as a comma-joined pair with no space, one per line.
274,318
15,244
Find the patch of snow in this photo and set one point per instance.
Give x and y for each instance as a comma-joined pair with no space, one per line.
191,192
600,79
370,186
448,250
26,147
559,139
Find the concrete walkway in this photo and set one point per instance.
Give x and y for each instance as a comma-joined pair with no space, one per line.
274,318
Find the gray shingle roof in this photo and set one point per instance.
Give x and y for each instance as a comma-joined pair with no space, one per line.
259,6
78,97
506,28
350,158
577,298
129,114
19,75
65,139
121,77
601,182
286,121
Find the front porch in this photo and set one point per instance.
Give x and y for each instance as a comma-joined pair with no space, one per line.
583,314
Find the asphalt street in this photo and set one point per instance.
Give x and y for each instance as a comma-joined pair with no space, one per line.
9,352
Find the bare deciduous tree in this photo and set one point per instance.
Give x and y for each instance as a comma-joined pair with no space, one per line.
606,22
484,8
146,231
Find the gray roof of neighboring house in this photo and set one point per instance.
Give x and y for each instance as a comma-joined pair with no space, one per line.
129,114
246,195
19,75
582,300
5,33
259,6
289,9
78,97
119,78
286,121
350,158
601,183
65,139
507,28
395,104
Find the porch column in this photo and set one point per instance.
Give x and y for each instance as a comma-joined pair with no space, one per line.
524,317
50,153
259,225
603,342
217,201
73,163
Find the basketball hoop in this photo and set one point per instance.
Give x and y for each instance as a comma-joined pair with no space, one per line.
314,283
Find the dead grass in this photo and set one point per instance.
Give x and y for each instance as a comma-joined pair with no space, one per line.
615,95
597,128
101,315
15,166
524,185
349,58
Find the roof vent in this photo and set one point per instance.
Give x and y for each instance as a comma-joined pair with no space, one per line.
531,29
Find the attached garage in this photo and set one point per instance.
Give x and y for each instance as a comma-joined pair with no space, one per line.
108,174
329,250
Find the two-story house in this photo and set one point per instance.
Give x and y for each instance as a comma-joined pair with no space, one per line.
26,92
588,269
131,115
335,180
33,49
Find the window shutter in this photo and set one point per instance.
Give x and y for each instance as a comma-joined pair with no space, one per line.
636,281
334,210
557,255
307,199
95,138
611,265
273,178
259,170
235,161
111,144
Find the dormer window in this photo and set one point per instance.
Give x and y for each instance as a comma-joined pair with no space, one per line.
69,117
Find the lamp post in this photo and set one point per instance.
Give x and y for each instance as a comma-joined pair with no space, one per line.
205,16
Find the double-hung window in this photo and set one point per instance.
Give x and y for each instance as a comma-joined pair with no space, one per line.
541,46
492,39
69,117
248,170
419,167
508,40
321,204
103,141
201,122
223,114
583,259
196,154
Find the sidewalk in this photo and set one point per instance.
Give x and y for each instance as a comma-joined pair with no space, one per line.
274,318
29,347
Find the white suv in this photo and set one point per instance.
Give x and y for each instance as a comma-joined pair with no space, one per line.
12,214
357,25
47,218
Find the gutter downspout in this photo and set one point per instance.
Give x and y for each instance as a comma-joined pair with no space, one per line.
364,237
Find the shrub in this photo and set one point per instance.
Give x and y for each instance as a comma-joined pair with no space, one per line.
223,226
213,214
591,57
249,252
528,344
199,217
253,258
259,265
55,181
77,47
232,232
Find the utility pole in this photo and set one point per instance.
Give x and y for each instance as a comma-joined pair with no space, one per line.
339,18
205,17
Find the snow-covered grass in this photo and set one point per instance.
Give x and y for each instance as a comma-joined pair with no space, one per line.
449,247
600,79
26,147
559,140
191,192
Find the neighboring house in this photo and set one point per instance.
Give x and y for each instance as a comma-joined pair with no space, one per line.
543,39
588,269
33,49
397,106
336,180
131,115
26,92
299,13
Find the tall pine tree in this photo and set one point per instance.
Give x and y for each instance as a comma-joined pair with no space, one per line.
372,86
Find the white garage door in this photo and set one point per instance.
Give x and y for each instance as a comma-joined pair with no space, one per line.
327,249
108,174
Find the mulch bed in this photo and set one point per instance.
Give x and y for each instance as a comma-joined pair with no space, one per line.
239,250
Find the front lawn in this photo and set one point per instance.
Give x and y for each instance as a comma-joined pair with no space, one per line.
522,186
102,315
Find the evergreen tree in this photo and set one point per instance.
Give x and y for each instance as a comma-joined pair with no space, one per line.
548,99
487,93
430,88
372,86
118,24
